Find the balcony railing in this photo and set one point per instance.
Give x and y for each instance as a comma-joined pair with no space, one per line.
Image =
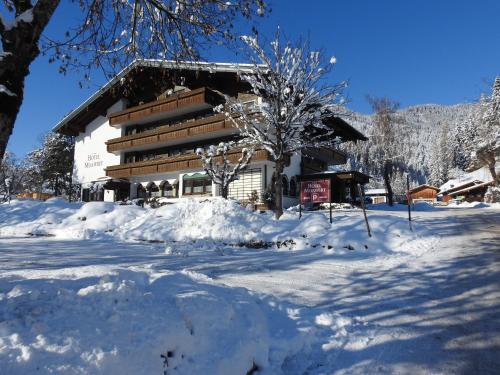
172,164
164,134
172,105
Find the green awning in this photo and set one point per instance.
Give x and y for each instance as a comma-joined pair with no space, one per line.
192,176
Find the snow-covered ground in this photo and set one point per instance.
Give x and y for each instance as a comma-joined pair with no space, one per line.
106,289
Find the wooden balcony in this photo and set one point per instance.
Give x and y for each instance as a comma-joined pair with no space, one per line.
172,164
165,134
171,106
326,155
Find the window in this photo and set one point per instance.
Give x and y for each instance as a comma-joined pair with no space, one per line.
247,181
167,190
85,195
197,185
284,180
153,190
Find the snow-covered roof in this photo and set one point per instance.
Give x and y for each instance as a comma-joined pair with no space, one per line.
375,192
423,186
212,67
478,176
473,187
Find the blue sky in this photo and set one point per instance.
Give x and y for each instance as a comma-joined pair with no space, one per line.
415,52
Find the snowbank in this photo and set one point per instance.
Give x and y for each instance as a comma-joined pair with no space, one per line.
130,323
192,223
229,222
191,219
398,207
474,205
56,217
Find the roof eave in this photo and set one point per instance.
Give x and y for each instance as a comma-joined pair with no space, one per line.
209,66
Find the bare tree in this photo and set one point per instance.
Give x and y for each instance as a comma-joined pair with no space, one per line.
223,167
386,154
294,101
109,35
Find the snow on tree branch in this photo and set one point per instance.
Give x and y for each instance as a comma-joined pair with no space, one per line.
293,101
113,33
6,91
486,120
220,164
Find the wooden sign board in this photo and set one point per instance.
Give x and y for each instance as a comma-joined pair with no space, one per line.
316,191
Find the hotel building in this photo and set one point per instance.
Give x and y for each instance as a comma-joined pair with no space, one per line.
136,137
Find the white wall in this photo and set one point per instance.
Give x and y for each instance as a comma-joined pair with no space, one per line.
91,155
292,170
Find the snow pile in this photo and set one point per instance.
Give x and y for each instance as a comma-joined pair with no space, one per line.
95,219
130,323
226,221
197,224
473,205
191,219
399,207
22,216
55,217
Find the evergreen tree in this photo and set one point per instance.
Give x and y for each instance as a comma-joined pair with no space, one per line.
49,167
388,155
486,150
441,158
12,174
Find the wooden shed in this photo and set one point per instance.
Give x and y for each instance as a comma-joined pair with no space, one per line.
424,193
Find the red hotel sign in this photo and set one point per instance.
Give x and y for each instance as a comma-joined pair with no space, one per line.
317,191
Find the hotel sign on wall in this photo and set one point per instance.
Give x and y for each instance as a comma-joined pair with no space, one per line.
317,191
93,160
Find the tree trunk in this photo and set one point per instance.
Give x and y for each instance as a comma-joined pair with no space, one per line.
56,186
20,47
7,121
278,188
224,191
387,182
494,175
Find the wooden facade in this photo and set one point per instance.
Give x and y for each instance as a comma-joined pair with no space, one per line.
424,193
470,192
190,100
164,134
172,164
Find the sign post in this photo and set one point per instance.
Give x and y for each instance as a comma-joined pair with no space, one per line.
362,201
408,198
330,211
316,191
